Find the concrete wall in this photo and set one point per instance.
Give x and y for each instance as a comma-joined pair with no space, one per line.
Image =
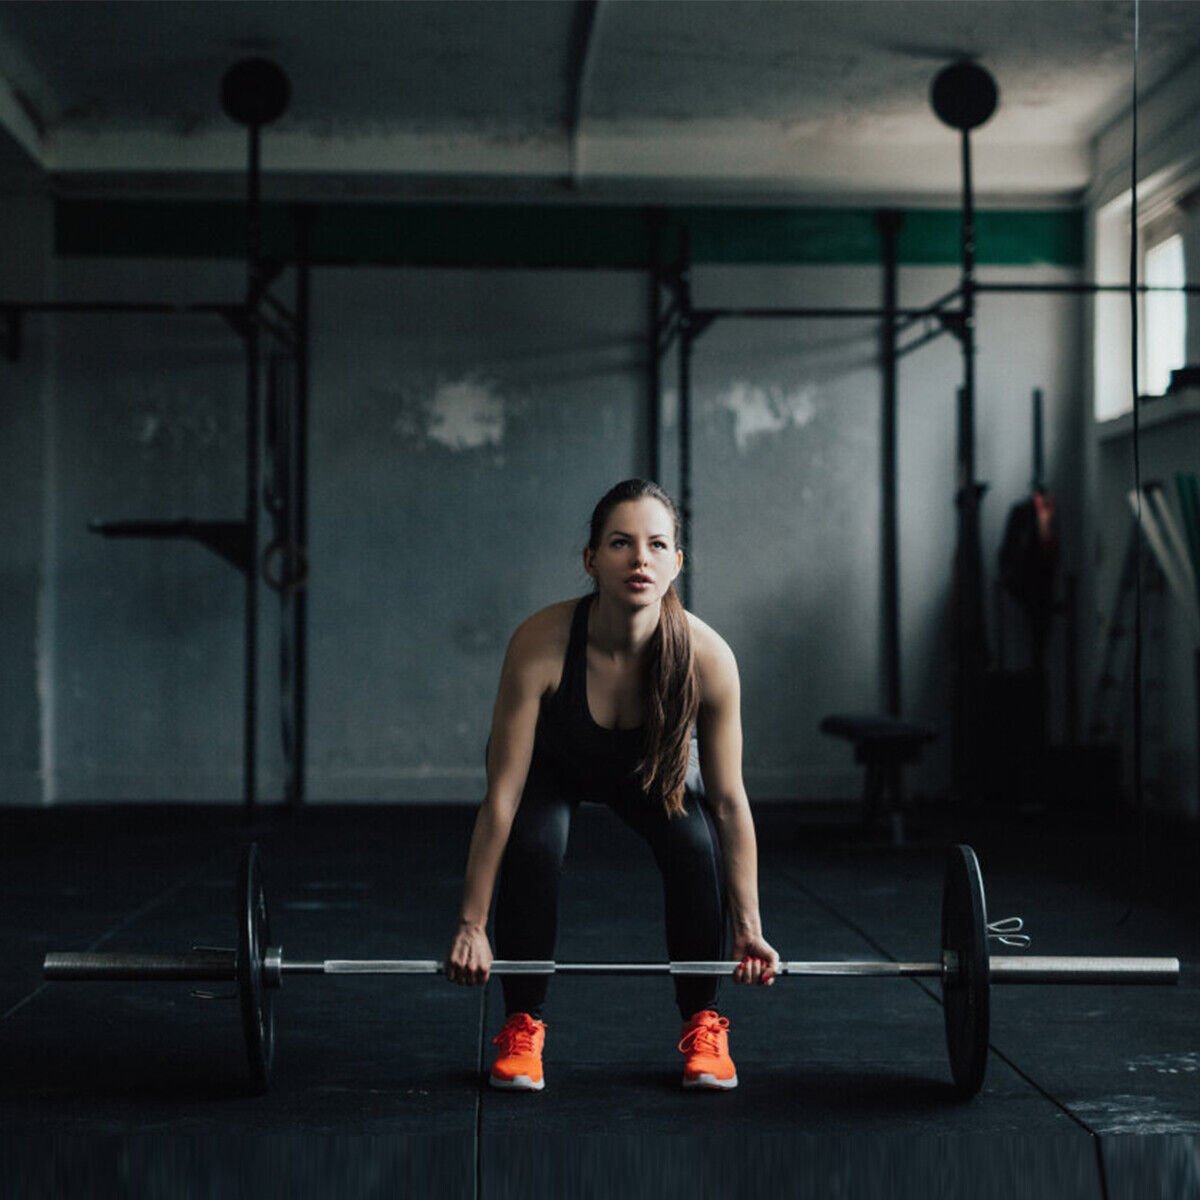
787,543
26,597
463,425
146,421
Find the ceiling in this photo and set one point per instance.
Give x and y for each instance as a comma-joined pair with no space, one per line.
738,99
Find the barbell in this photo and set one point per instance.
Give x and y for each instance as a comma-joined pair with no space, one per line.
965,969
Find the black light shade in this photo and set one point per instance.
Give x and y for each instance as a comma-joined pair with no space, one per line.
964,95
255,91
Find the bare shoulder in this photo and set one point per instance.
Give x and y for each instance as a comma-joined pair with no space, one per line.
715,662
539,643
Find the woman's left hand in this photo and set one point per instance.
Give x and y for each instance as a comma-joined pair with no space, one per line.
757,960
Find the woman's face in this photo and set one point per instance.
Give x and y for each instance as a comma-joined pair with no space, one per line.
636,560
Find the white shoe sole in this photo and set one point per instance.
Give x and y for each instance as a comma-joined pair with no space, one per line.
518,1083
710,1081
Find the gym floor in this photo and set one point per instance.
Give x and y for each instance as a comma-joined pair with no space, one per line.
843,1083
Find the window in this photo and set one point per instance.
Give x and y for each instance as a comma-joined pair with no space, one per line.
1165,314
1165,231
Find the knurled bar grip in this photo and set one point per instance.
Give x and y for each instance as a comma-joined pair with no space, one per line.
534,967
193,966
1013,968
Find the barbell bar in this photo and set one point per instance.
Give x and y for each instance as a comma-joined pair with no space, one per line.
219,966
965,970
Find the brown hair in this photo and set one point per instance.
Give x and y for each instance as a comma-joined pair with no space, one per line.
670,686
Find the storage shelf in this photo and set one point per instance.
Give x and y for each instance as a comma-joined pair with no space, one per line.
1183,405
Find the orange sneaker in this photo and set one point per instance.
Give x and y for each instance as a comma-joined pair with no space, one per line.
519,1064
705,1041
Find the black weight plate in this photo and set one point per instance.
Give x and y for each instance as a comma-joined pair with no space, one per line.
966,985
254,936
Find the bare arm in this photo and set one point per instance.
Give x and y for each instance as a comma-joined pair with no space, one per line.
514,720
720,730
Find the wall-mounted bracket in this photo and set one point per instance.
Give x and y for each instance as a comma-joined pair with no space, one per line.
229,539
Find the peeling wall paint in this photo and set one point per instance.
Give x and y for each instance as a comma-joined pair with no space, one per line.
760,411
182,421
466,413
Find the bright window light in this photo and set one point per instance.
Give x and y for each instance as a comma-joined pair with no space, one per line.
1166,314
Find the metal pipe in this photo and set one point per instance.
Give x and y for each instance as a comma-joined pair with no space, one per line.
299,596
890,221
969,646
1039,462
1014,968
1083,289
968,285
654,347
218,965
211,966
687,334
864,314
149,308
253,277
518,967
1003,968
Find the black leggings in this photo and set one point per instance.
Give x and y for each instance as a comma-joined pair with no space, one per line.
685,848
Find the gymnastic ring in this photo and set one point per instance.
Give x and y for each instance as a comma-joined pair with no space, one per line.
285,550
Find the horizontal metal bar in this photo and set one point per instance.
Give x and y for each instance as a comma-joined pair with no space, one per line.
114,306
196,966
534,967
218,966
1003,968
881,967
818,313
1082,289
1031,968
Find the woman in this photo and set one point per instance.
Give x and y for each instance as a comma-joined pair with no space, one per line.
600,699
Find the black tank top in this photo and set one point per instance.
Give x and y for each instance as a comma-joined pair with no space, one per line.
591,756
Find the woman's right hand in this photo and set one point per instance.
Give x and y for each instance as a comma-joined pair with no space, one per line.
469,959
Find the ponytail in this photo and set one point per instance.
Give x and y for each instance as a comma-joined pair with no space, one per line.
672,703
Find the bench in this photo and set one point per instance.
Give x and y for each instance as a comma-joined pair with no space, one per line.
883,745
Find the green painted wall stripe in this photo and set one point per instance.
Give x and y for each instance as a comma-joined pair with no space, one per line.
558,235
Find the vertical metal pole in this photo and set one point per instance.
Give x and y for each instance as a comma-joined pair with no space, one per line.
1038,452
1071,667
653,364
1196,677
686,336
967,442
299,596
970,652
890,221
253,275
